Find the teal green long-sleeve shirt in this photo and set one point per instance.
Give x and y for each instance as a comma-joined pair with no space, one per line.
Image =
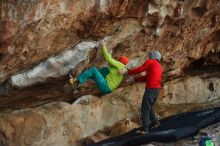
113,78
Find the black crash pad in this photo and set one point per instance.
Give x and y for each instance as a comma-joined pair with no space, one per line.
172,129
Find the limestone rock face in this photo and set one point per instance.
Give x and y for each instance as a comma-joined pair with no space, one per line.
36,30
60,123
191,90
41,40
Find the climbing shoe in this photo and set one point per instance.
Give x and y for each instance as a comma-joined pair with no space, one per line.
142,131
73,81
70,77
154,125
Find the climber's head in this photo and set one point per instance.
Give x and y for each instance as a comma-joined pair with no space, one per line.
155,55
123,59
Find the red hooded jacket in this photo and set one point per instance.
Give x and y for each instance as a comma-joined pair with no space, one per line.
153,75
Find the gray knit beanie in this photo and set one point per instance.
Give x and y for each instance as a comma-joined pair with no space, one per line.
155,55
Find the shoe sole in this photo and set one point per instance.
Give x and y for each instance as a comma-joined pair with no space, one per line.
69,77
141,133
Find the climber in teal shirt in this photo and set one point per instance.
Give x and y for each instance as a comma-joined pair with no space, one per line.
107,79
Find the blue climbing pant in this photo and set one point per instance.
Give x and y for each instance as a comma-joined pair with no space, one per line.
98,76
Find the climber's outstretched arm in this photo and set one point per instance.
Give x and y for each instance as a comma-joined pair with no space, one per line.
108,57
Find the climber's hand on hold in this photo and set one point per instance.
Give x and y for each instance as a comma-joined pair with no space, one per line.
123,71
103,44
130,79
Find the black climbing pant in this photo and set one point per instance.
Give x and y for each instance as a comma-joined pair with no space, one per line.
147,113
